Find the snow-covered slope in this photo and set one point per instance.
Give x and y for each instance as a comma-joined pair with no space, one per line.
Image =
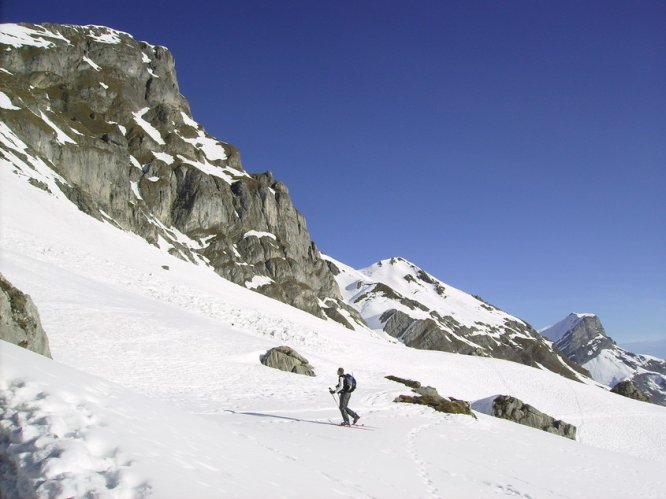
583,339
397,297
127,321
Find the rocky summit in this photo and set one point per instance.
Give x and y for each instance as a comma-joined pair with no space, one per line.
583,339
580,337
402,300
90,114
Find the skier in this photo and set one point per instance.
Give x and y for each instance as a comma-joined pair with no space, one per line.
344,390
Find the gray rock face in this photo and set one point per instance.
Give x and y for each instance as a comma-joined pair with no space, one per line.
515,410
19,320
98,117
585,339
287,359
652,385
426,334
628,389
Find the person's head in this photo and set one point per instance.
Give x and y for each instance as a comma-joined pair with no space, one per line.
341,371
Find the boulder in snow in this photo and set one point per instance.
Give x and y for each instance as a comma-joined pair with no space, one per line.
19,320
427,395
287,359
513,409
628,389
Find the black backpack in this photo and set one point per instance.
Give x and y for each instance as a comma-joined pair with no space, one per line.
349,383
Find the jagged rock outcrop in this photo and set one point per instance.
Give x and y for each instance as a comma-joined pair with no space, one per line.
513,409
19,320
287,359
428,395
583,338
628,389
92,114
398,298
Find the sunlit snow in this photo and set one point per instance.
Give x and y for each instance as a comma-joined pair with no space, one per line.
259,234
92,63
19,36
147,127
6,103
164,157
156,389
61,137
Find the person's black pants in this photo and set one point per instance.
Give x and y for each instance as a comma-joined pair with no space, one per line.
344,410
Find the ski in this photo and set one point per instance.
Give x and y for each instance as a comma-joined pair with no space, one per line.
357,426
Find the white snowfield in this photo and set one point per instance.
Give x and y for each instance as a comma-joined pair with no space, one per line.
156,390
608,368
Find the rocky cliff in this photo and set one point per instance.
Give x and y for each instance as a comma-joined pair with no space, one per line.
583,339
399,298
93,115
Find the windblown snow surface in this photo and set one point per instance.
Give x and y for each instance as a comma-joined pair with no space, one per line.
156,389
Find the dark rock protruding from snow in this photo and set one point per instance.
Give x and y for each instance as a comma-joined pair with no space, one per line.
287,359
427,395
513,409
628,389
19,320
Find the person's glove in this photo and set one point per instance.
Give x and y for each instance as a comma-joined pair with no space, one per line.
331,391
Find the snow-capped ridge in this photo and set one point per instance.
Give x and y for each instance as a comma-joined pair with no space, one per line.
397,297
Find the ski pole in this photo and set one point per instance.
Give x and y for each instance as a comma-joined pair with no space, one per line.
333,395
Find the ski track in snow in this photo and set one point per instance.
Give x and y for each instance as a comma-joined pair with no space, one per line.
421,466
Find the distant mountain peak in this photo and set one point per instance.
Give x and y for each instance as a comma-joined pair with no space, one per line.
556,331
402,300
583,315
582,338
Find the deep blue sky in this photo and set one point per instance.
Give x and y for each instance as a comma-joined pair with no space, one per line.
514,149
